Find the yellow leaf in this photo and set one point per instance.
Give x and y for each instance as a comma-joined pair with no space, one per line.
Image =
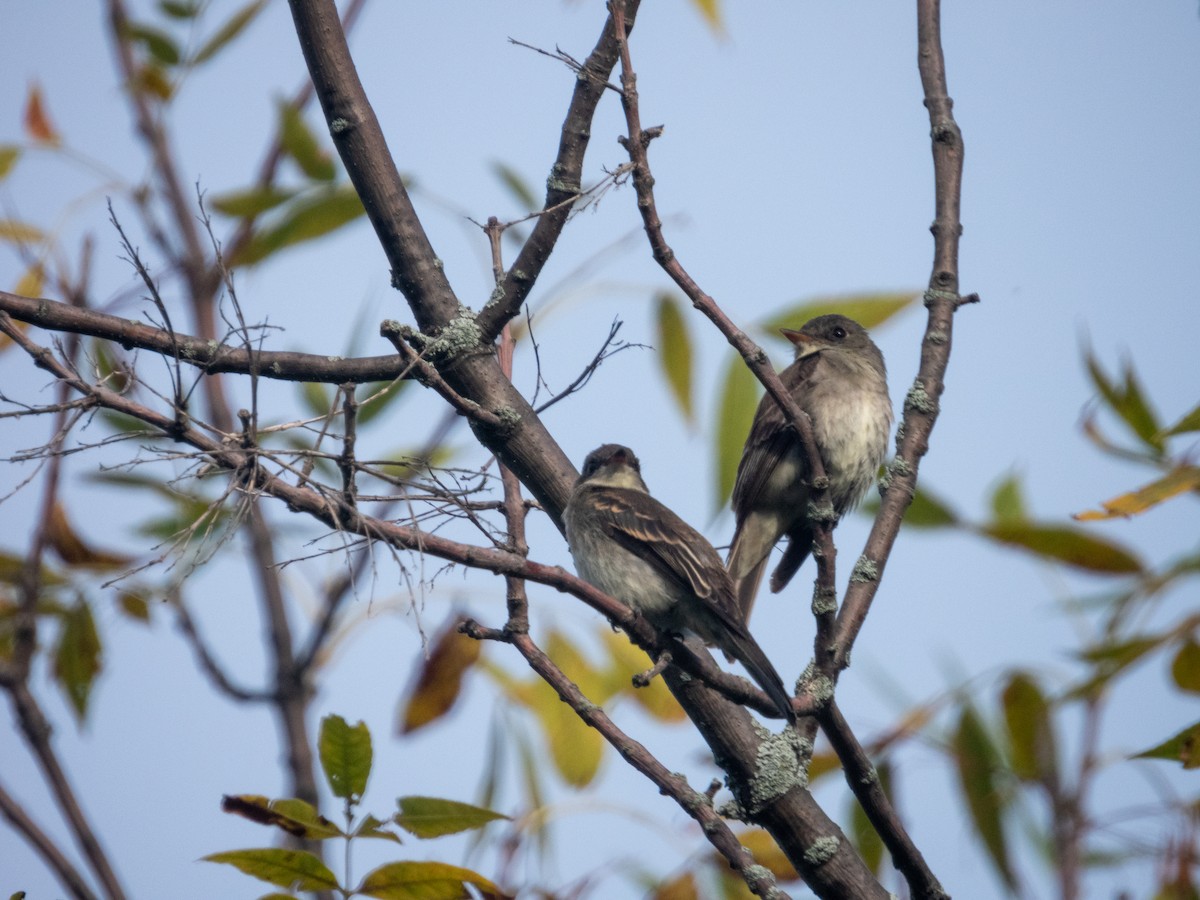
767,853
869,310
20,232
681,887
675,352
1184,478
711,10
628,660
735,412
31,283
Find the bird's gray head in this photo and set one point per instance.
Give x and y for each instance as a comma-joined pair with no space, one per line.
614,465
836,333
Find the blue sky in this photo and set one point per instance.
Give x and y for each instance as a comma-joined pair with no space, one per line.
794,163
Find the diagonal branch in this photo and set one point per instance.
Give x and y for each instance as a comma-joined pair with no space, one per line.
863,780
697,805
564,182
70,877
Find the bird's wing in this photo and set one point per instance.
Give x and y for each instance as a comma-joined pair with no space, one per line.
768,442
653,533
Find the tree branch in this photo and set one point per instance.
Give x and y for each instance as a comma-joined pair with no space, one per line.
465,354
564,182
695,804
863,780
942,300
208,355
70,877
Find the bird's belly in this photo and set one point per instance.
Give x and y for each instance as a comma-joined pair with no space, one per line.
854,441
621,574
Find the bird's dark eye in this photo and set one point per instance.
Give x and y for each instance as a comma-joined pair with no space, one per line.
839,332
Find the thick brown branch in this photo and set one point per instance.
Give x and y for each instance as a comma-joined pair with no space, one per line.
467,360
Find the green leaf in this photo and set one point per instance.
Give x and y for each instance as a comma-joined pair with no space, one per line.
371,827
177,10
1071,546
430,817
869,310
737,402
315,826
1190,422
9,154
1185,668
1183,747
517,186
1120,654
151,79
926,510
345,756
291,815
1128,402
675,352
379,396
1008,502
77,657
1032,746
422,881
301,144
227,32
134,605
977,762
250,202
157,43
297,870
303,220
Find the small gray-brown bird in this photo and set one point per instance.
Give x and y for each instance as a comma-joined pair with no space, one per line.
840,380
631,546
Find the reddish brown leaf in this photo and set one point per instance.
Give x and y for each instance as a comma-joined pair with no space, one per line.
73,550
439,679
37,121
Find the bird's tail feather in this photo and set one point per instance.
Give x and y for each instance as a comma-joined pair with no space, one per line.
794,555
747,582
750,655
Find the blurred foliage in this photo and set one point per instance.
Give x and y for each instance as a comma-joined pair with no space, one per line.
1019,776
345,753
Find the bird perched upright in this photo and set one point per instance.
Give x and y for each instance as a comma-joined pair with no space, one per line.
631,546
839,379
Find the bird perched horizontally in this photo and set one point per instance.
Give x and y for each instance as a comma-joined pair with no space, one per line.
629,545
840,380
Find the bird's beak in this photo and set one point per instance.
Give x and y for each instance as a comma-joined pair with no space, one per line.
806,345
